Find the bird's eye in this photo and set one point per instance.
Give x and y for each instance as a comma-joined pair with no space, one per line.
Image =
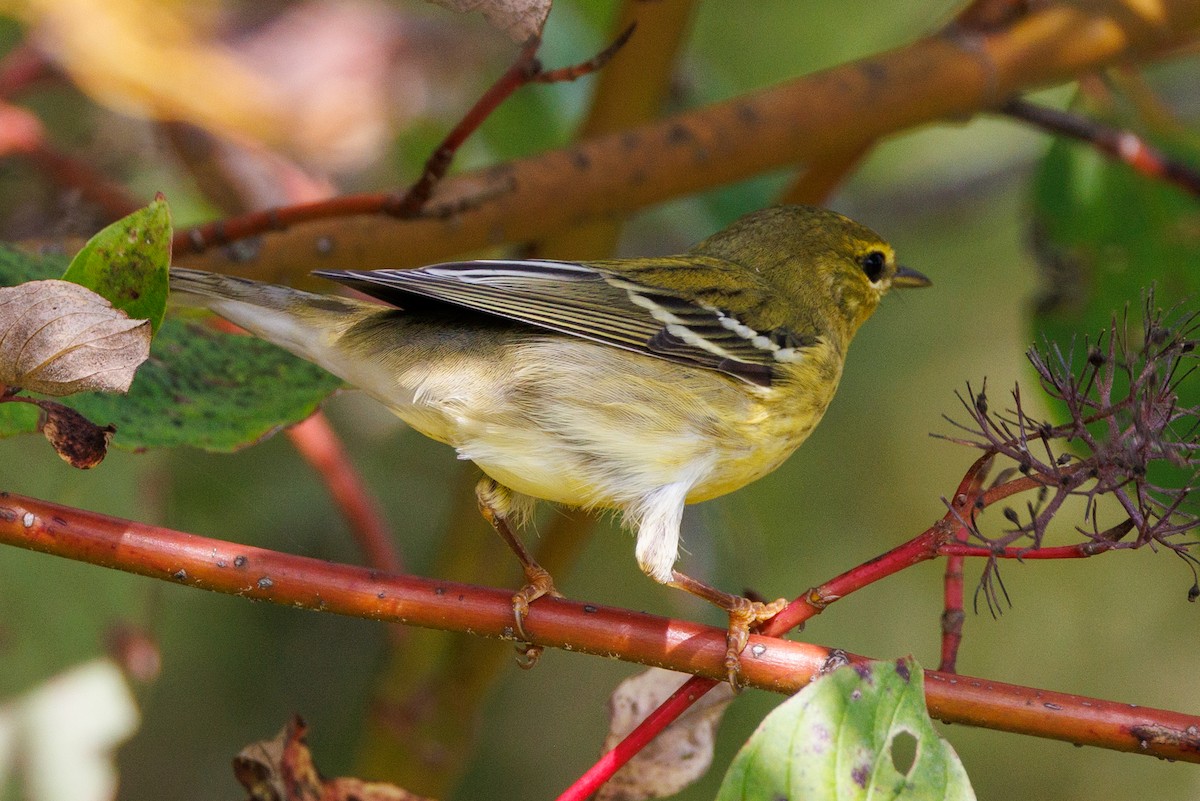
873,264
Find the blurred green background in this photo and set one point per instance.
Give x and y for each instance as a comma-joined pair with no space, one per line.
956,201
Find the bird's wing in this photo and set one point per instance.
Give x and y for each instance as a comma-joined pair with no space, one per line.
595,304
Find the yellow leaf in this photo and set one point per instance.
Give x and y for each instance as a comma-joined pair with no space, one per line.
154,59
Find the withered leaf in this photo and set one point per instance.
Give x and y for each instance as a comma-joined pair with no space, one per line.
678,756
282,769
80,442
520,19
58,338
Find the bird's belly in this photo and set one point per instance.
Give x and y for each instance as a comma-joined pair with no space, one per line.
627,463
547,420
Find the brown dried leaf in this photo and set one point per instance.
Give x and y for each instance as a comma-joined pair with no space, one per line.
675,758
282,769
257,767
80,442
58,338
520,19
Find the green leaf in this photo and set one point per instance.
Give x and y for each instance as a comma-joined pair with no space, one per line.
860,732
128,263
19,266
1105,233
200,387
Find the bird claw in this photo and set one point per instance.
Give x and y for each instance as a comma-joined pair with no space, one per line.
744,616
539,583
528,655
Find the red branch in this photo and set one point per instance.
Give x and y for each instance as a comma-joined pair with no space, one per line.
1122,145
953,613
22,67
769,663
1079,551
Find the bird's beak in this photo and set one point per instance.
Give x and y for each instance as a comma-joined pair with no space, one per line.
908,278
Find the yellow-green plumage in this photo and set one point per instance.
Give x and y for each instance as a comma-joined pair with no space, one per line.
637,384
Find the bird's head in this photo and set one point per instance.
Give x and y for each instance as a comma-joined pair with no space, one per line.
825,266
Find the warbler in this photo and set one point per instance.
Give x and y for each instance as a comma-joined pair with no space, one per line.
639,385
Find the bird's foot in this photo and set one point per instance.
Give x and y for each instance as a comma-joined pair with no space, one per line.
744,615
538,583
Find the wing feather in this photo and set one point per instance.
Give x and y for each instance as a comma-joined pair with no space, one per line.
592,303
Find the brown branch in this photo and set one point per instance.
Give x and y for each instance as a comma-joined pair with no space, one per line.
70,172
798,122
630,91
770,663
819,180
990,15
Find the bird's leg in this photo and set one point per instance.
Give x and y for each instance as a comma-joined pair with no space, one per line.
744,614
495,503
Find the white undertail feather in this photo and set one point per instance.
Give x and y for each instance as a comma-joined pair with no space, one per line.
658,518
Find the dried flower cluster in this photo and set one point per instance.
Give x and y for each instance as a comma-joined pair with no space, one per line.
1127,435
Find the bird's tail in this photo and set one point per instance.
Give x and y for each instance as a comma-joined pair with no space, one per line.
305,323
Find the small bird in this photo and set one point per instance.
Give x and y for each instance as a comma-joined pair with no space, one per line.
639,385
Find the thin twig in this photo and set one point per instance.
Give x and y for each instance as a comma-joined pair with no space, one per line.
526,69
411,204
520,73
1120,144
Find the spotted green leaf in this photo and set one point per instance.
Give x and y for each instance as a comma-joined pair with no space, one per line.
128,263
860,733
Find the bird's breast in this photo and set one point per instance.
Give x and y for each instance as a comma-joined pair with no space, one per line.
780,419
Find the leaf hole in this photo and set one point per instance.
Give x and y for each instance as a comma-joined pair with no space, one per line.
903,747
